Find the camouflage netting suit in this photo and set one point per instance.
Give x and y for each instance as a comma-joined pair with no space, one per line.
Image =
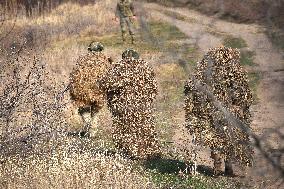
125,12
131,89
219,89
84,90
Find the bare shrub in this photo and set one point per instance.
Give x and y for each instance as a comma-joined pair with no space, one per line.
29,111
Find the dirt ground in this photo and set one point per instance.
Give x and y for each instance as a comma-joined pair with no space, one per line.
208,32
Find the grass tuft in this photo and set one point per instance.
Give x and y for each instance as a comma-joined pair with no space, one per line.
247,58
166,31
254,78
235,42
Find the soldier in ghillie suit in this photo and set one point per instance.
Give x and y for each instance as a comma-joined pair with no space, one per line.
84,90
125,12
217,108
131,89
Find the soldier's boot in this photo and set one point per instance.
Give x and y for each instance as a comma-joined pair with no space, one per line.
217,165
94,121
229,168
85,113
85,132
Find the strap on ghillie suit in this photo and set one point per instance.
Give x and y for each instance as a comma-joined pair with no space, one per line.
217,91
131,89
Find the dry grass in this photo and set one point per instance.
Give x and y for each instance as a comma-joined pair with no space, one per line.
72,19
69,166
75,163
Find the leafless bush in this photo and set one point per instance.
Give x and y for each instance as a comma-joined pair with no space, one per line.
28,109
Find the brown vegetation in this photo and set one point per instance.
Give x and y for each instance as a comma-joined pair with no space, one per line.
36,149
36,7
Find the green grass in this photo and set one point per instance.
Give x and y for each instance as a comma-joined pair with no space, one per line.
234,42
163,166
165,31
154,37
178,16
113,40
192,56
254,78
247,58
174,181
171,81
165,174
174,92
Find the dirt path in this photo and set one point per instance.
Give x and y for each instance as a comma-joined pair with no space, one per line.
208,32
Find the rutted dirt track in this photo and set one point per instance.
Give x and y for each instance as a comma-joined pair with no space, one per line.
208,32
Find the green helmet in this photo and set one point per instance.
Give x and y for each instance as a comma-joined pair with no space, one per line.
130,53
95,47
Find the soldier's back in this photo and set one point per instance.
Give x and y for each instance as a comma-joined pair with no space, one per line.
216,94
89,68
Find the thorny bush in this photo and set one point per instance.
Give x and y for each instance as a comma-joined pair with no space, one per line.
29,111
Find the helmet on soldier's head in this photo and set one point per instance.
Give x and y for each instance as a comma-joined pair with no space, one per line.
130,53
95,47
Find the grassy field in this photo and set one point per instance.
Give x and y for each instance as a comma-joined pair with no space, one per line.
74,162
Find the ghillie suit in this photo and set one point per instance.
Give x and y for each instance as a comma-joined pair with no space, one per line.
131,89
217,91
84,90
